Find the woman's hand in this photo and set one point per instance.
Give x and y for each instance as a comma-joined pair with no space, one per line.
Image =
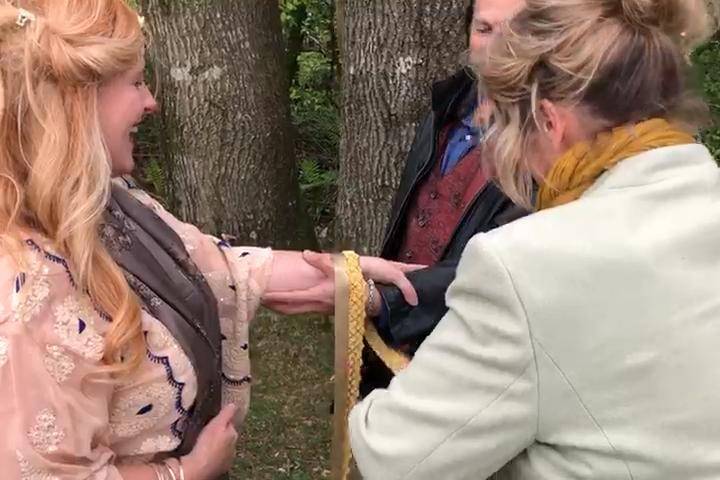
214,452
321,297
391,273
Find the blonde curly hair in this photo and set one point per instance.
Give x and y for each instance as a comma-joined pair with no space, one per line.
54,166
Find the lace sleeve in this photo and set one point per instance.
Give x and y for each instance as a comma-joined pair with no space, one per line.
238,277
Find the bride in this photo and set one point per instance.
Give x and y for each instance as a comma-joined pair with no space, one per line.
123,331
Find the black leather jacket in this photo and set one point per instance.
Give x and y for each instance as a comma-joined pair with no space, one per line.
408,325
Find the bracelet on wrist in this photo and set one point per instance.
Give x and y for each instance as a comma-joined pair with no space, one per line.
372,293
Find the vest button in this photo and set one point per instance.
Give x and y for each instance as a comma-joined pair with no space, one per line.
434,195
409,254
423,218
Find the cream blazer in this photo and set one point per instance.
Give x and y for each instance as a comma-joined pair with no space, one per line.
581,342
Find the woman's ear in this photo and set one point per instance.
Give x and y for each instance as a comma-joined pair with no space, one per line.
553,123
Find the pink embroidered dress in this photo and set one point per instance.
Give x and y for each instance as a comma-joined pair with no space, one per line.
57,422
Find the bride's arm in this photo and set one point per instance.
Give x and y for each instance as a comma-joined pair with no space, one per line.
272,273
291,272
303,283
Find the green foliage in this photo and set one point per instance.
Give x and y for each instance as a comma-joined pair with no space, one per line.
315,72
155,176
150,171
308,29
314,18
313,176
314,111
707,58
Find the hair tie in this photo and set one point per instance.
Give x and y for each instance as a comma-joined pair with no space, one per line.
24,17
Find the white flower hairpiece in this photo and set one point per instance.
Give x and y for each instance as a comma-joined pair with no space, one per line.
24,17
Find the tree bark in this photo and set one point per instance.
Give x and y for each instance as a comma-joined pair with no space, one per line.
391,52
227,138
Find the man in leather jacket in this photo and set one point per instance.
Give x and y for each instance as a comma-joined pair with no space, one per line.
443,200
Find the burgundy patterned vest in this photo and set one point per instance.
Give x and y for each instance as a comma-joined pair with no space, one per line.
439,204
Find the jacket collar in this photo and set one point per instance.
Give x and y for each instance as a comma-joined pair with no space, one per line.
447,94
657,165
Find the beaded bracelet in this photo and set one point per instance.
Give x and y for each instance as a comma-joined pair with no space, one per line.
158,473
178,467
170,470
166,471
372,291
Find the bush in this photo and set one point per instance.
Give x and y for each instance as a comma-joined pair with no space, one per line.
707,59
314,107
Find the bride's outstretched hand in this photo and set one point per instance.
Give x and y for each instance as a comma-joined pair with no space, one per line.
321,297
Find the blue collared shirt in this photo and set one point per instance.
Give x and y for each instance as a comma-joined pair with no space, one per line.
464,137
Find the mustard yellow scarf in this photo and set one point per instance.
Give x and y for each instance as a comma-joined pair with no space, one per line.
583,164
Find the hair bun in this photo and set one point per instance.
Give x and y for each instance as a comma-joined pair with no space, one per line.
690,22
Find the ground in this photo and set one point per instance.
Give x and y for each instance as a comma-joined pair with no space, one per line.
287,433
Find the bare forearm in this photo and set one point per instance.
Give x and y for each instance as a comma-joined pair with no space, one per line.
147,472
138,472
291,272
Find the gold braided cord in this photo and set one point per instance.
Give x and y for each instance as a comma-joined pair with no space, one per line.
350,299
393,359
351,326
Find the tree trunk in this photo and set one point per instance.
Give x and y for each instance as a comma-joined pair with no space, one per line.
391,53
227,138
